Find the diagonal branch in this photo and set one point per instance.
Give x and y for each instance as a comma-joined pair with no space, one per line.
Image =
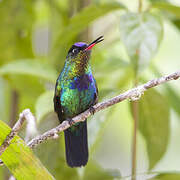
13,132
132,94
25,115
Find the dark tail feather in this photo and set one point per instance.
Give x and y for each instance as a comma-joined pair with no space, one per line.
77,146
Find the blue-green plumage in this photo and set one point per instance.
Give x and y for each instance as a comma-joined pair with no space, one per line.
78,94
75,92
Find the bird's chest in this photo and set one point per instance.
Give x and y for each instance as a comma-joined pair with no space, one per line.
77,95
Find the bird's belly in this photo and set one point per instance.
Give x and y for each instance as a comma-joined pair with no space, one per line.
74,101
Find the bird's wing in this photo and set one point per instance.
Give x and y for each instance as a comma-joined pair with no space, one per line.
96,94
57,102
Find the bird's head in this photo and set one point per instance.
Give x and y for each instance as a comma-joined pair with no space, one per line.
81,51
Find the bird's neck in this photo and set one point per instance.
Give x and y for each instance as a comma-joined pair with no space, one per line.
76,69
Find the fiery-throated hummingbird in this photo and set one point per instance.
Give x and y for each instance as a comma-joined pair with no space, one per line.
75,92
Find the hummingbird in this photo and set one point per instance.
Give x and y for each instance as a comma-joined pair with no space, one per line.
76,91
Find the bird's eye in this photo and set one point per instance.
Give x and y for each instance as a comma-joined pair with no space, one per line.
75,51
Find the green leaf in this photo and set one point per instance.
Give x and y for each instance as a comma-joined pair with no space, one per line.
154,124
175,10
84,18
141,35
29,67
44,105
167,176
20,160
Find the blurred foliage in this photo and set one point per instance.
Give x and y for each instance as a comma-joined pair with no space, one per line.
143,47
35,38
42,106
16,30
168,7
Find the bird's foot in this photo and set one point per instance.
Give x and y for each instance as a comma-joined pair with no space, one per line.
92,110
71,122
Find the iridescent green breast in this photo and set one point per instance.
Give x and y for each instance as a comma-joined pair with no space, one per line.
77,94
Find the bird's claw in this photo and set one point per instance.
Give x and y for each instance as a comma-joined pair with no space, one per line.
71,121
92,110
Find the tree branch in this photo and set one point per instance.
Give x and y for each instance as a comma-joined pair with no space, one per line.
25,115
13,132
132,94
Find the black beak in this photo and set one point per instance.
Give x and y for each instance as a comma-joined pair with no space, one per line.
98,40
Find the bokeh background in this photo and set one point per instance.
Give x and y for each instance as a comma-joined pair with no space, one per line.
141,42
